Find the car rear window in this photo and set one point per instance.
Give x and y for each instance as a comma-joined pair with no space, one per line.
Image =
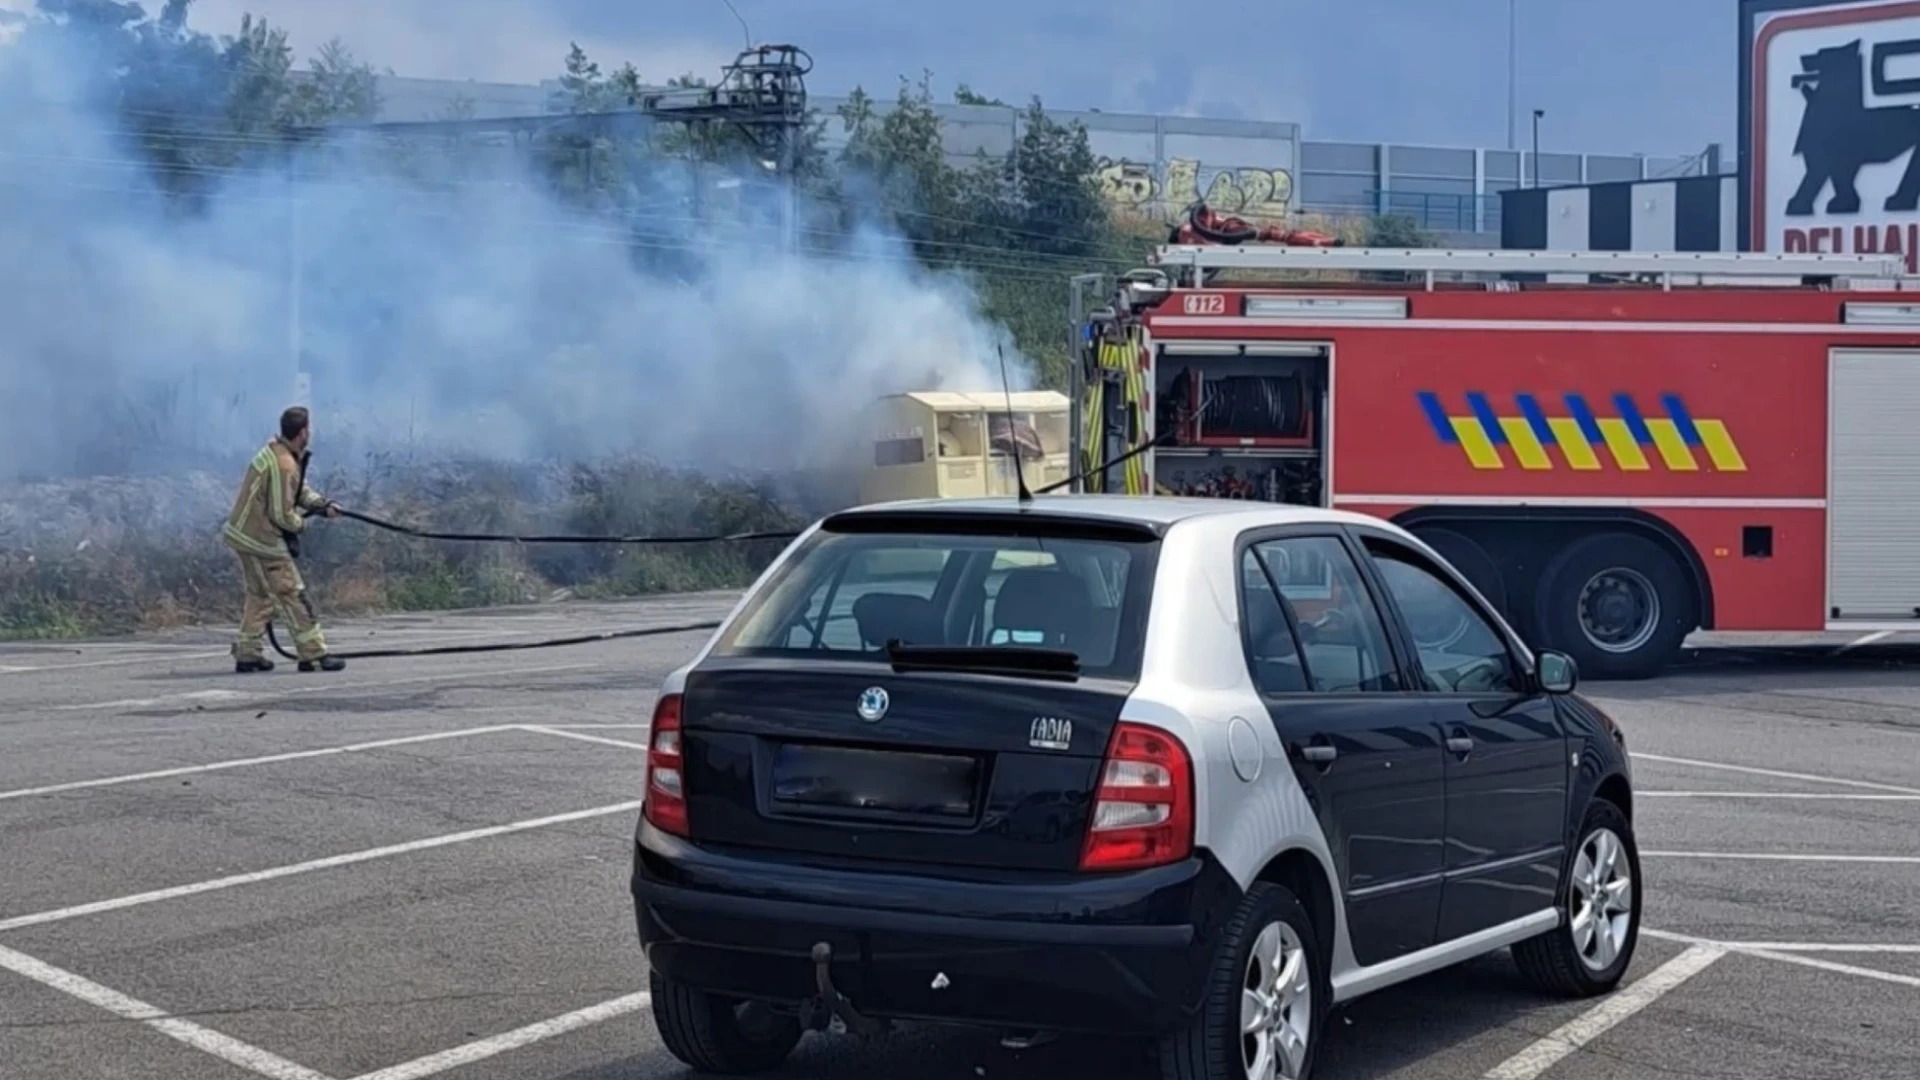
844,594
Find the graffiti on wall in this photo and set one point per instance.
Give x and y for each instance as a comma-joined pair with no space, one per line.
1254,193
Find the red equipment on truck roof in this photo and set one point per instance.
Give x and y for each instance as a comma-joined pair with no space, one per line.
1616,448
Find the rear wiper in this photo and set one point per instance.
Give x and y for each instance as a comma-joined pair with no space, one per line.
1019,660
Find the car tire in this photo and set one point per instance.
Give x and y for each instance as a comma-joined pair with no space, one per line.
1588,953
1617,603
1269,926
708,1033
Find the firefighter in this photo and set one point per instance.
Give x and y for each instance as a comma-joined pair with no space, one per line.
269,514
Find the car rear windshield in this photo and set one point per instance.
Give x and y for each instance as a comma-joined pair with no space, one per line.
845,594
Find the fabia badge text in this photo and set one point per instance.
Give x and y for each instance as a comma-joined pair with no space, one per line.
1050,733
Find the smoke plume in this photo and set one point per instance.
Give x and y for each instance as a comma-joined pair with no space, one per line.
435,295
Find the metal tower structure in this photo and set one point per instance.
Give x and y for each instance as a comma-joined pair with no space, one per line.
762,95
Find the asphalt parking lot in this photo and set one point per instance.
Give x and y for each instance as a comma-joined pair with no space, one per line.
417,868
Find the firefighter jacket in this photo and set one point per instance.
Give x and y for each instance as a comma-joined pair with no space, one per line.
264,512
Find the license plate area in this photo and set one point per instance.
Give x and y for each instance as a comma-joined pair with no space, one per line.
814,780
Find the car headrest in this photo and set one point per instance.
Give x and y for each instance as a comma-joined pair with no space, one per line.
884,617
1047,602
1266,626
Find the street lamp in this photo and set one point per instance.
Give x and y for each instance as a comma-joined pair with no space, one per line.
1537,114
1513,66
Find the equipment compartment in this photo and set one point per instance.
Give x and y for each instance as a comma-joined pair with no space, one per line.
1241,425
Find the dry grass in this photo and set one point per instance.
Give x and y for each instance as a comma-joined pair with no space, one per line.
80,559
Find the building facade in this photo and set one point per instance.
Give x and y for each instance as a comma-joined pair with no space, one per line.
1154,166
1695,213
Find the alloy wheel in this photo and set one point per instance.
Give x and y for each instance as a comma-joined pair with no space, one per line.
1276,1006
1601,900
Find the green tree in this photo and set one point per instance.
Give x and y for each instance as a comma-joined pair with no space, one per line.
898,159
336,86
198,106
1042,195
965,95
1021,224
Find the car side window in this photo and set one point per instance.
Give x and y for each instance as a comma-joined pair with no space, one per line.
1460,650
1342,637
1272,655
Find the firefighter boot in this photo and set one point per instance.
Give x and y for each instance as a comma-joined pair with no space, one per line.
324,663
248,667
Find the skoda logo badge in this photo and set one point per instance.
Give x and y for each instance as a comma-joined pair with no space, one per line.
873,704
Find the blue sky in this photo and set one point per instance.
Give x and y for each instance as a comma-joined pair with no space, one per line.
1615,76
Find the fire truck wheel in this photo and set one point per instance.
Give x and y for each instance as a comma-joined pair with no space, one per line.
1467,556
1618,604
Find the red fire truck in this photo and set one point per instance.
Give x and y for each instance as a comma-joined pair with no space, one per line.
1616,448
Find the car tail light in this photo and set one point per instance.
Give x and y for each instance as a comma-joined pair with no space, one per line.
665,803
1143,809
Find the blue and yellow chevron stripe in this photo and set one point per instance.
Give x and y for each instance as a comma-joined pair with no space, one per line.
1678,439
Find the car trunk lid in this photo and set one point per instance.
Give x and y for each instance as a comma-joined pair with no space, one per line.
915,762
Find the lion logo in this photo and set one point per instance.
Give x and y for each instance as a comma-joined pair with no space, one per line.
1839,135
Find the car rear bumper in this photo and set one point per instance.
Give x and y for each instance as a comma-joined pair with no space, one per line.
1111,953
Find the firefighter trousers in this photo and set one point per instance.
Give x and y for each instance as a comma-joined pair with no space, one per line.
274,591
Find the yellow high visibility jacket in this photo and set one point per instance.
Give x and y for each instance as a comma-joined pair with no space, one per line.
264,509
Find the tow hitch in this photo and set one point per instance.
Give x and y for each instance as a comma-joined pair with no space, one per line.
839,1012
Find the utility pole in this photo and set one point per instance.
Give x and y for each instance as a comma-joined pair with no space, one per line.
302,384
789,189
1513,69
1537,114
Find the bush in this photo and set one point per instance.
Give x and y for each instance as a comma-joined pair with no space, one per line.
116,555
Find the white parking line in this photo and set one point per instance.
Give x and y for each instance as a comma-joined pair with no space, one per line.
1583,1029
434,1064
1822,946
225,1047
1838,969
1789,958
594,727
1845,796
1776,773
581,736
236,763
270,694
1762,856
1864,639
348,859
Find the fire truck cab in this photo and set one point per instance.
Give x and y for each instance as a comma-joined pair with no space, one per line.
1617,449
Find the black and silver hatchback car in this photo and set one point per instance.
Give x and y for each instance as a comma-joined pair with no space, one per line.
1186,770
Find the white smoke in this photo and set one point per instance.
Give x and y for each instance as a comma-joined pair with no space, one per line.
441,299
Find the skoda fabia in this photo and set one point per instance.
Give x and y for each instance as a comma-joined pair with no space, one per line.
1191,771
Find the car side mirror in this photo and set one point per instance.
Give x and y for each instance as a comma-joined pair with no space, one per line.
1557,672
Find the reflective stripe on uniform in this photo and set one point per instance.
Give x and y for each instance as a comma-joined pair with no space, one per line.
276,491
239,539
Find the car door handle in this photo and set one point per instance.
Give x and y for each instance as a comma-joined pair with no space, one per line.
1459,744
1319,753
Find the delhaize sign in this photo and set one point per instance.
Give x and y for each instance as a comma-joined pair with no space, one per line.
1830,123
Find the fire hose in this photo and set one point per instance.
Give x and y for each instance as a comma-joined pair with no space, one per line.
510,538
603,635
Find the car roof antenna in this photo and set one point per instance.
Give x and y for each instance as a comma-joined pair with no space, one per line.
1013,438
